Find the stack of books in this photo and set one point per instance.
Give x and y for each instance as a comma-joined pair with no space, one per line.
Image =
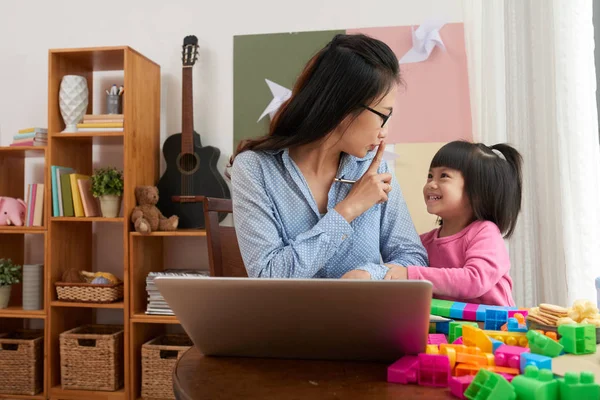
72,193
31,137
35,204
101,123
156,303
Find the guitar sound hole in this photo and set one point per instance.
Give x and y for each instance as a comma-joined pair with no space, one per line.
188,163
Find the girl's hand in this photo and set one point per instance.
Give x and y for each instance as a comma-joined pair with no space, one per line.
356,274
396,273
372,188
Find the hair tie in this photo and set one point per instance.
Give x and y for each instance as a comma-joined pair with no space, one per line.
499,154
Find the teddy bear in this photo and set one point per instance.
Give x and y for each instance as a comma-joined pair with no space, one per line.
146,217
12,211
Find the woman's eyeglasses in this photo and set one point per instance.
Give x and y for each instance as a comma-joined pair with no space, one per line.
383,116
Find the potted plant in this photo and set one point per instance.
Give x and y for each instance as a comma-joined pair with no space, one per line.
9,274
107,186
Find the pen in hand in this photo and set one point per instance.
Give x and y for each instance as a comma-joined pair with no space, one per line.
341,180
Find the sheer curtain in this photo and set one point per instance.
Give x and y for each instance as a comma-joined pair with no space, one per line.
533,84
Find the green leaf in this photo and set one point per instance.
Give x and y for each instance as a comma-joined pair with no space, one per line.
10,273
107,181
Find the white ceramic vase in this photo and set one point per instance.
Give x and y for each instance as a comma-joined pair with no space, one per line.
73,100
4,295
110,205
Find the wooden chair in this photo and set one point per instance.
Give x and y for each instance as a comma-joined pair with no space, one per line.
223,248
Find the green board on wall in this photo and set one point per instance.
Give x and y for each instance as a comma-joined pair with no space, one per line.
277,57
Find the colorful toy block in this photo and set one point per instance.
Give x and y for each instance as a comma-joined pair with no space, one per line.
490,386
524,313
495,344
432,349
509,356
541,344
481,311
436,338
404,371
515,326
470,312
578,386
456,329
434,370
457,310
536,384
441,307
510,338
495,317
578,338
458,341
539,361
474,337
459,384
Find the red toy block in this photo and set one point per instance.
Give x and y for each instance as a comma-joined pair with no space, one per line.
436,338
458,385
509,356
434,370
404,370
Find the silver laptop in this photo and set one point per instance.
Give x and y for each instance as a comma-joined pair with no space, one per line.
326,319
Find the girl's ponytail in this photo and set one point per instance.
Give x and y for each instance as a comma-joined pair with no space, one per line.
515,185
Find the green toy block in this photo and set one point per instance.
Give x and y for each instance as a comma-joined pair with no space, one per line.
542,344
455,330
488,385
536,384
441,307
576,386
578,338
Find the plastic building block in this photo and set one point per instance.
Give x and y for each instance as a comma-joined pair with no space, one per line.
495,344
443,327
541,344
508,377
458,341
441,307
515,326
457,309
432,349
495,317
458,385
470,369
509,356
490,386
578,339
404,371
474,337
578,386
481,312
524,313
470,312
456,329
436,338
434,370
542,362
536,384
432,327
482,360
510,338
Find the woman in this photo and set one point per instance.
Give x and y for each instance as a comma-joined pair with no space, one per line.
293,220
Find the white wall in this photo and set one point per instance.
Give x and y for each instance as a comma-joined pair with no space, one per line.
156,29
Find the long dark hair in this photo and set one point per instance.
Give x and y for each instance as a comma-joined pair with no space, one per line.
493,182
349,72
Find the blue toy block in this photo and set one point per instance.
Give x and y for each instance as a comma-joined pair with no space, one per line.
456,311
495,344
495,317
481,312
443,327
542,362
513,326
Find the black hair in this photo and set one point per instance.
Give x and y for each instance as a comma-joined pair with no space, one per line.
349,72
493,181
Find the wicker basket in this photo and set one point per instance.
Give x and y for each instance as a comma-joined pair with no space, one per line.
91,358
158,360
89,293
22,362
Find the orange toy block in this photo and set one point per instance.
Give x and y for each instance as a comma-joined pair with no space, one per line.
509,338
475,337
476,359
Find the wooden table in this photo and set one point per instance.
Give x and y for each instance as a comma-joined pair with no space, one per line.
198,377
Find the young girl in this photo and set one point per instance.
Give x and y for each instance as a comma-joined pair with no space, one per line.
475,190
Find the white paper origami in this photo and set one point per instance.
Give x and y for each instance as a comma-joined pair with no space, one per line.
280,94
425,39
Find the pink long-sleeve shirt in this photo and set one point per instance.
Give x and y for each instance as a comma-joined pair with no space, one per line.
470,266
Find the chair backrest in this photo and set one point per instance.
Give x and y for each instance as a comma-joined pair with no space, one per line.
224,254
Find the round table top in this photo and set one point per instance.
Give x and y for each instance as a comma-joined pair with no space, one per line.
198,377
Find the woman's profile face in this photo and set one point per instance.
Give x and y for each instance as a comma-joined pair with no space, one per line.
365,132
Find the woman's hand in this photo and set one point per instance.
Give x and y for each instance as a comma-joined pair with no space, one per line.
396,273
372,188
356,274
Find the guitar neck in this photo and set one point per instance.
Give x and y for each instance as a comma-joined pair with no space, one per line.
187,112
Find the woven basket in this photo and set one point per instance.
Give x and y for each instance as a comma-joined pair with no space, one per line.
159,357
89,293
91,358
22,362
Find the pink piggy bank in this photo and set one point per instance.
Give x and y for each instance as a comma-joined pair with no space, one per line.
12,211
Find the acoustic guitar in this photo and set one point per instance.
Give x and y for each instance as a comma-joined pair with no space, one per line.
191,171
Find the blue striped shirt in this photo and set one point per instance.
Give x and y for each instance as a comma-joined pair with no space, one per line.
281,233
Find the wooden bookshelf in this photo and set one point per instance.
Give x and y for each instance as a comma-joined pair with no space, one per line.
70,239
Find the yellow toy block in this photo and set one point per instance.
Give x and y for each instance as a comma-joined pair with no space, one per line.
509,338
432,349
475,337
